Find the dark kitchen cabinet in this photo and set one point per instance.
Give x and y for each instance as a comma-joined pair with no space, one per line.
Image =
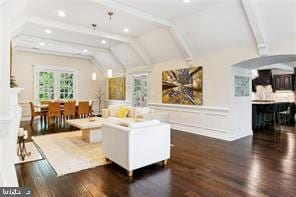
283,82
265,77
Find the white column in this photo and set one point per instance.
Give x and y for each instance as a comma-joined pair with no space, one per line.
4,61
8,120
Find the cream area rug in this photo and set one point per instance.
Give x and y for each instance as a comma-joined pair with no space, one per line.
33,156
68,153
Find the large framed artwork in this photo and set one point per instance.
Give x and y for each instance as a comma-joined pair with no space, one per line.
116,88
182,86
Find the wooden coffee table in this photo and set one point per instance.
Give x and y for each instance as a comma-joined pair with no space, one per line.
91,128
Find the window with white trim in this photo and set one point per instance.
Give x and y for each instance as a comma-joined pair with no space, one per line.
54,83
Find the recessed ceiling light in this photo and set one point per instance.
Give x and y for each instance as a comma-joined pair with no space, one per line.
126,30
85,50
42,43
61,13
48,31
186,1
103,41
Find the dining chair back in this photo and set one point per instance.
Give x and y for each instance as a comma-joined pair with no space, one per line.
34,113
45,102
69,109
83,109
54,109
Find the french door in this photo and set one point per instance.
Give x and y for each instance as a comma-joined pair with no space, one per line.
140,90
54,84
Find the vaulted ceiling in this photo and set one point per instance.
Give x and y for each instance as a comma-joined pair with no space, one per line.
159,30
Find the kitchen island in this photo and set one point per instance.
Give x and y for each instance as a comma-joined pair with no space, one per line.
269,110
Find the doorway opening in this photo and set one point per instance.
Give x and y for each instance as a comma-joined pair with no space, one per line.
270,102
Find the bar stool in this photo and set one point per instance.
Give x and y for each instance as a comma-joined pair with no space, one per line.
268,112
283,113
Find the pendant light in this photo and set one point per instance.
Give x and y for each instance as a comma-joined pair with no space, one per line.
94,75
110,14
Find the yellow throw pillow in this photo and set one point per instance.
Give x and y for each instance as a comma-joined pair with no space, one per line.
122,112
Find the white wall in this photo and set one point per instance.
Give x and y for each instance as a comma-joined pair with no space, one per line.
241,107
23,71
219,105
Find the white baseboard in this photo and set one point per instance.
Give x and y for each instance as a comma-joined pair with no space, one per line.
250,133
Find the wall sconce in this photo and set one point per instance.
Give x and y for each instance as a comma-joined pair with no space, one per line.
110,73
94,76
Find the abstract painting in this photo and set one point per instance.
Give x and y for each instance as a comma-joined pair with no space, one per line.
182,86
116,88
242,85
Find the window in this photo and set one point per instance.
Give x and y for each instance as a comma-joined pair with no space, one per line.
54,83
66,85
46,85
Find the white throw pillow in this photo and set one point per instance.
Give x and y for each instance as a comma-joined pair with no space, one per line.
131,112
135,125
114,109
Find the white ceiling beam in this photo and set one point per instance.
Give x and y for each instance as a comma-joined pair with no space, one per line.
181,42
134,12
141,53
75,28
148,17
37,40
43,51
254,25
91,58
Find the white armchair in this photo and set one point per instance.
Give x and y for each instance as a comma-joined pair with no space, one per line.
138,145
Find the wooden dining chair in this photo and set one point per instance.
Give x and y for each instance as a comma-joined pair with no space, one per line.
83,109
54,110
45,102
35,113
69,109
91,111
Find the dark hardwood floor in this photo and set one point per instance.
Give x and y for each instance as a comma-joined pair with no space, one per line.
261,165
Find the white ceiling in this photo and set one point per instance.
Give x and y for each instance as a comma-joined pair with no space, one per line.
160,45
84,13
231,32
170,9
160,30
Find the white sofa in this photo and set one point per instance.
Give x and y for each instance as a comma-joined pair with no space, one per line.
134,113
138,145
111,114
147,113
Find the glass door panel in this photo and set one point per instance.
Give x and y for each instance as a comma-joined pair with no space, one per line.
140,95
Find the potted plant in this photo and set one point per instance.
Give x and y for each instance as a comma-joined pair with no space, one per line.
99,96
13,83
